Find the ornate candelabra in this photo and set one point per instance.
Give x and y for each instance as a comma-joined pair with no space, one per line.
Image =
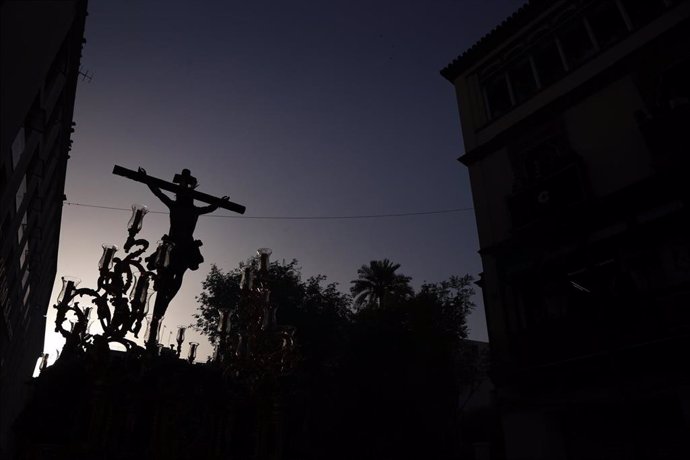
178,251
121,299
252,345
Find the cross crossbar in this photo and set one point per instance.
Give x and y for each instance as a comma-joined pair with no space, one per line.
205,197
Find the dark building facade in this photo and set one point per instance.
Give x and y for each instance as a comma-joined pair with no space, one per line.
574,117
41,45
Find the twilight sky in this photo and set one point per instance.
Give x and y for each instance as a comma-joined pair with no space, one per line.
301,108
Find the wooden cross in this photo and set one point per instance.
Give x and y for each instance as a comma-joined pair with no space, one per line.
182,182
185,253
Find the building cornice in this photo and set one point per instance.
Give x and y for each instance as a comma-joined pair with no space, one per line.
489,42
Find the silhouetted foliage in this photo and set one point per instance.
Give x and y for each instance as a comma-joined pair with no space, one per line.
377,283
382,382
316,308
406,372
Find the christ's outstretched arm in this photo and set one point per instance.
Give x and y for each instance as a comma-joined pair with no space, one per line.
210,207
156,191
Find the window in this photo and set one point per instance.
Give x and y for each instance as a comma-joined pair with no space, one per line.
675,85
3,178
4,291
5,226
8,325
497,95
26,297
543,160
576,43
526,298
24,255
539,153
522,80
18,146
595,282
555,303
25,278
37,165
56,115
548,62
58,67
607,23
21,192
540,161
27,308
642,12
35,119
21,229
577,40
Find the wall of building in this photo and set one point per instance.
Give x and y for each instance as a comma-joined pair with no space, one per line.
598,117
609,141
40,53
479,128
585,297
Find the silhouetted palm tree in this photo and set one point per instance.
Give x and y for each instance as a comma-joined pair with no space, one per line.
378,281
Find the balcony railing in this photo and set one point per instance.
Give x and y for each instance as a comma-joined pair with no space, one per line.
605,326
666,135
550,195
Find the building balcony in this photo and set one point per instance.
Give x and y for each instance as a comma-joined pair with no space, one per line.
667,138
604,326
549,196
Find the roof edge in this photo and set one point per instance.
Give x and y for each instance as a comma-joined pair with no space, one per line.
505,29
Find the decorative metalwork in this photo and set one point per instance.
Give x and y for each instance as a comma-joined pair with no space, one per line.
126,285
177,251
122,296
192,352
252,346
43,362
180,339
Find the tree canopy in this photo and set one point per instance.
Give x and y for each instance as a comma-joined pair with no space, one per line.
378,282
383,368
317,309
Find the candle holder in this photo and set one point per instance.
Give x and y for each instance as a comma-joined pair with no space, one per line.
161,258
106,261
121,299
180,338
191,356
44,362
253,347
148,320
264,255
160,329
137,220
69,286
247,281
140,293
122,295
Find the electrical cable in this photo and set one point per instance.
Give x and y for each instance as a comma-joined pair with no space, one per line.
358,216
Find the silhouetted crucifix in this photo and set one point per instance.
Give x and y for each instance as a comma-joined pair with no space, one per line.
184,253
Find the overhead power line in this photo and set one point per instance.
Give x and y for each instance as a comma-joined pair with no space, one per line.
356,216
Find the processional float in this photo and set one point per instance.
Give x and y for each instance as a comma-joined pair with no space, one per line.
251,343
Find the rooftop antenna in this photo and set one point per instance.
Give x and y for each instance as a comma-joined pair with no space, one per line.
85,75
